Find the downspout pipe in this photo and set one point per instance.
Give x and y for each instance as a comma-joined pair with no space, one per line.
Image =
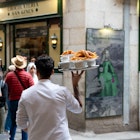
126,97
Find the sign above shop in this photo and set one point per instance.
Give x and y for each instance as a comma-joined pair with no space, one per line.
31,32
26,10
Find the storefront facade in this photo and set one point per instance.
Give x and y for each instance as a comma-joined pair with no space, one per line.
27,29
30,35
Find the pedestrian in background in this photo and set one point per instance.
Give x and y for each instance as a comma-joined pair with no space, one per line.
8,116
10,68
33,59
3,97
17,81
45,105
31,68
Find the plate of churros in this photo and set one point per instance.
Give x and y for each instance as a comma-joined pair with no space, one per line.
80,60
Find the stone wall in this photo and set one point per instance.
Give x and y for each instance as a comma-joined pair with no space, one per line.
74,39
81,14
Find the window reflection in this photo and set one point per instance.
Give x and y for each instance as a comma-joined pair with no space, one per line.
31,39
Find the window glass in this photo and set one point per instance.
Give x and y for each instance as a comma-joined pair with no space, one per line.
31,39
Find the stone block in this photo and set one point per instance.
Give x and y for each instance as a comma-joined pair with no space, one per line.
77,36
94,19
74,20
114,19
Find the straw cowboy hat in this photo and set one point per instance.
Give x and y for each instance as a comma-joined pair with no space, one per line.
19,61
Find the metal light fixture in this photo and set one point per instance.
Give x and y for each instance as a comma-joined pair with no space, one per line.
107,26
1,44
54,41
107,31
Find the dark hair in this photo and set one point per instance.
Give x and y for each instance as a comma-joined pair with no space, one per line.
44,65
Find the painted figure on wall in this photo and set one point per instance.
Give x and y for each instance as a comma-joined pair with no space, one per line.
107,76
104,97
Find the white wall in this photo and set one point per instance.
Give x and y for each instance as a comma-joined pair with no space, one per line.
82,14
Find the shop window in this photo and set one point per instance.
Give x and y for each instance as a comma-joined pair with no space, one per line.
31,39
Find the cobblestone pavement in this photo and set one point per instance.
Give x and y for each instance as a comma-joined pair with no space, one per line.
128,135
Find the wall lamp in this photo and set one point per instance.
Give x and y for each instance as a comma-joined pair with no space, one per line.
54,41
107,30
1,44
108,27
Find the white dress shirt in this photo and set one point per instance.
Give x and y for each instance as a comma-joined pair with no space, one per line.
42,109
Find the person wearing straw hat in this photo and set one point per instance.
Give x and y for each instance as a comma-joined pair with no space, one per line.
17,81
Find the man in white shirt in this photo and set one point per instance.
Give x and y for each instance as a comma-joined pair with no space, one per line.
42,107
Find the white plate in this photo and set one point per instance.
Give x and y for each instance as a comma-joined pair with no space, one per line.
65,58
91,62
64,65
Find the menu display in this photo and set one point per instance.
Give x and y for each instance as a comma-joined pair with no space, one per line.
31,32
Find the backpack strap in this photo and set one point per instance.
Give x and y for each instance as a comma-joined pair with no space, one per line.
19,80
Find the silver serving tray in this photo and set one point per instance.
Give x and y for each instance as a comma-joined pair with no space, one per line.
86,68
